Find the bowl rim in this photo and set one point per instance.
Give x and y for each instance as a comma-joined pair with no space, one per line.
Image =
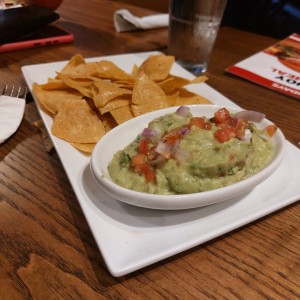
180,201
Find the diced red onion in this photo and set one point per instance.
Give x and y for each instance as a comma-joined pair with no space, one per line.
163,148
247,136
250,115
149,133
182,111
157,161
167,149
184,131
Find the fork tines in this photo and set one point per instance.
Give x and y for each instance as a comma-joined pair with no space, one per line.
19,92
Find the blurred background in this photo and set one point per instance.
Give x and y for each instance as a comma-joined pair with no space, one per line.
274,18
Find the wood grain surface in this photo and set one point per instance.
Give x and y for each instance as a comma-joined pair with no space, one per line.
47,248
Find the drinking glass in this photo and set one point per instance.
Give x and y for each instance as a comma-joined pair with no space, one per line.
193,27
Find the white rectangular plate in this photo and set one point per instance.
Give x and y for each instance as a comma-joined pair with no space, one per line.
130,238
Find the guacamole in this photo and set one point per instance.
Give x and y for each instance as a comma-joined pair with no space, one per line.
180,154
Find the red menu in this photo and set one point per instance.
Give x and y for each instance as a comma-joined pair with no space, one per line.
277,67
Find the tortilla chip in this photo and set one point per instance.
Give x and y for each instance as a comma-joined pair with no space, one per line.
108,122
106,91
77,123
86,148
169,101
114,104
107,69
88,99
147,96
146,90
83,70
84,86
186,97
125,84
122,114
174,83
157,67
199,79
51,100
74,61
134,70
55,84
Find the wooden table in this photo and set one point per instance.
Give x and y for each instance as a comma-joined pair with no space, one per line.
47,249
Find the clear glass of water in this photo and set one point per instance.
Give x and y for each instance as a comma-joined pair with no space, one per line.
193,28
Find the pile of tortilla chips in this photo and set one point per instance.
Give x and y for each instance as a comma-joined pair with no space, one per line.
87,99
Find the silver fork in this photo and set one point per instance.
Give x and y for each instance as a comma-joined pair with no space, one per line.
19,92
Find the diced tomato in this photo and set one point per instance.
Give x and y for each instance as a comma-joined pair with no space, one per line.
140,165
224,134
199,122
172,136
270,130
221,116
146,170
138,168
152,153
138,159
225,124
207,126
171,139
196,121
148,173
143,147
240,128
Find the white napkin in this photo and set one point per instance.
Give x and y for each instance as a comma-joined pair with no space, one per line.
11,115
124,20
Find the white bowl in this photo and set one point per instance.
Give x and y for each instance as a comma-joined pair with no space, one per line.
125,133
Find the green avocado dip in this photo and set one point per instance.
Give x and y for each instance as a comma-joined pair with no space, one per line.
181,154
